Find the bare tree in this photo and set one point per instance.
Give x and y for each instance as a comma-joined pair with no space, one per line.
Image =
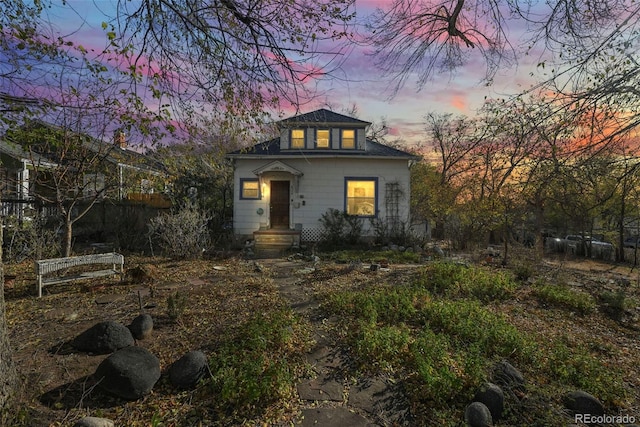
164,60
416,37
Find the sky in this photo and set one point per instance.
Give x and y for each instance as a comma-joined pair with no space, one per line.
361,83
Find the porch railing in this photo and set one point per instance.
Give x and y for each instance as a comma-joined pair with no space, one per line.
25,209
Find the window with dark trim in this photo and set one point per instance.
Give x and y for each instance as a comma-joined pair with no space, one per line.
249,189
361,196
297,138
348,138
323,138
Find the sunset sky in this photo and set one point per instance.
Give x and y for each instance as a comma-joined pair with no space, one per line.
359,82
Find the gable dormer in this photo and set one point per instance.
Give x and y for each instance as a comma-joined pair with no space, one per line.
322,130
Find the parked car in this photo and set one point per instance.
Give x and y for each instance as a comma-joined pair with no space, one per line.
632,242
582,244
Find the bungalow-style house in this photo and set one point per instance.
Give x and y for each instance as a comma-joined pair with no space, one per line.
322,160
28,172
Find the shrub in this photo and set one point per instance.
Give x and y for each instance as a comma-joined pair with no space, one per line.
340,229
572,363
29,240
614,303
181,235
399,234
382,347
563,296
176,304
459,280
255,365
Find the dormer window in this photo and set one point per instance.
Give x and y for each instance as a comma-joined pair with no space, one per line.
322,138
348,138
297,138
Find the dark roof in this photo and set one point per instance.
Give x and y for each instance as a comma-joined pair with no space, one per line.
272,148
323,116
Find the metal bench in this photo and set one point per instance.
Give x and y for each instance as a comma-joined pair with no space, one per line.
46,267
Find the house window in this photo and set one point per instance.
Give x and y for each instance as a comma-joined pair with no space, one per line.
146,187
297,138
322,138
93,184
348,139
249,189
361,196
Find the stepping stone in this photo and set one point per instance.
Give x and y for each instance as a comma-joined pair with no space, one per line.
142,291
324,357
377,397
368,396
108,299
194,281
321,388
332,417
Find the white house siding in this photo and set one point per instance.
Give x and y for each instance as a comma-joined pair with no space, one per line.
321,187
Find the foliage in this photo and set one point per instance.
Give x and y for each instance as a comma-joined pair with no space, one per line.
441,337
256,365
372,256
176,304
614,303
201,176
29,239
561,295
183,234
456,280
398,234
448,344
339,229
568,362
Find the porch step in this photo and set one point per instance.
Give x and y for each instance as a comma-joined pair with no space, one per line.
276,240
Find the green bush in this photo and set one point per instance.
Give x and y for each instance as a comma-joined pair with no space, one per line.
614,303
382,346
339,229
456,280
563,296
176,305
573,364
256,365
373,256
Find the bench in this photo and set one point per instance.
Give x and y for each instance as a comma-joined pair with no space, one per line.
46,267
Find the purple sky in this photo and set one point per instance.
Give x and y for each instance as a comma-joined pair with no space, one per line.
359,82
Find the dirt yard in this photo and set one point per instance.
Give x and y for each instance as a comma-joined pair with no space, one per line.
214,295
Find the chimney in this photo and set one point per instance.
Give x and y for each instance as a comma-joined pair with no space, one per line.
121,139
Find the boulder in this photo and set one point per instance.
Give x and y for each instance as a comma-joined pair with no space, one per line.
103,338
141,326
188,370
129,373
94,422
505,374
582,402
477,415
493,398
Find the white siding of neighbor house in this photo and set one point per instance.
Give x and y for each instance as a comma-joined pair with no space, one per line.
321,187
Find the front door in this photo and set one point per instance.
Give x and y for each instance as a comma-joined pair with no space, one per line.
279,204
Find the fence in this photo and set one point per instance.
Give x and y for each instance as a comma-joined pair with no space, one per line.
25,210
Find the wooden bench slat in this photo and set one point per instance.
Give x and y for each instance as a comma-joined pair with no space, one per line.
80,276
53,265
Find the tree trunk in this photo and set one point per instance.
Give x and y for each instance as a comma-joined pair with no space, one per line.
68,236
8,375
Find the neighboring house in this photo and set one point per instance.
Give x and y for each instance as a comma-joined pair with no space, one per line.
322,160
117,173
